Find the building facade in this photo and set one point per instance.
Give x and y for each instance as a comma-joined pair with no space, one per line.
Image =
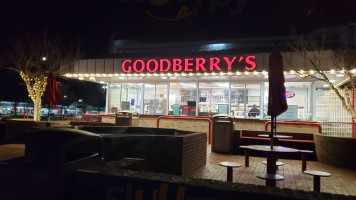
214,77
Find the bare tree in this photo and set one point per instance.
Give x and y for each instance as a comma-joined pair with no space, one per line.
321,57
36,55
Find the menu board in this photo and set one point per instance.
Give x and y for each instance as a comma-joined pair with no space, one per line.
290,114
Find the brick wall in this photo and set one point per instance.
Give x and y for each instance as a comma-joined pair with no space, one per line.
174,154
336,151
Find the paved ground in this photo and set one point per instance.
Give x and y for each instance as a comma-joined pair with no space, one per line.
342,181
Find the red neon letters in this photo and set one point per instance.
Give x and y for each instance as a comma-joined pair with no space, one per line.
188,64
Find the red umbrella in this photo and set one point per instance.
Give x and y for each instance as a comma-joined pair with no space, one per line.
277,103
52,94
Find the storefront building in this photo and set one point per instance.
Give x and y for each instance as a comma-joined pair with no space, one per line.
204,79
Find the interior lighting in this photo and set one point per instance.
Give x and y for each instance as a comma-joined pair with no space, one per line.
164,77
75,75
332,71
169,74
340,75
198,74
229,73
213,74
98,75
183,74
92,79
104,75
111,75
190,74
292,71
121,78
176,74
221,73
86,75
116,75
122,74
353,71
206,74
238,73
135,74
101,82
255,73
80,78
247,73
311,72
264,72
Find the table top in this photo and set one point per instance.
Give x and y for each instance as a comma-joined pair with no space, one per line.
276,136
267,148
229,164
317,173
270,176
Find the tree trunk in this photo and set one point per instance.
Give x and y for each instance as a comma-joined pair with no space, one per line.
37,109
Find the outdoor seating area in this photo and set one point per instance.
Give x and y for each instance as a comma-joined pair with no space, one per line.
342,180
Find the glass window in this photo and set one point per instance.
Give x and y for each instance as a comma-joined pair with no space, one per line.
161,99
149,99
253,93
297,94
182,98
238,100
131,96
155,101
114,98
213,98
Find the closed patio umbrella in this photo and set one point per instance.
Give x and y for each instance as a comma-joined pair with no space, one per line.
52,94
277,103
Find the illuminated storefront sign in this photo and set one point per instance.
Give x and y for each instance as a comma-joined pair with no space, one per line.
212,64
289,94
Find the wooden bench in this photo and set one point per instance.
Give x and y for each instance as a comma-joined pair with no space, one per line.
299,140
297,137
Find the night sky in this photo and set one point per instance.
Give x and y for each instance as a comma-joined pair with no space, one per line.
152,21
92,22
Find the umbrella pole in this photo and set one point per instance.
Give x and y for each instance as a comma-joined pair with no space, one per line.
272,129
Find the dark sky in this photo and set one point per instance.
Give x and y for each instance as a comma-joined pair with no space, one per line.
94,21
150,21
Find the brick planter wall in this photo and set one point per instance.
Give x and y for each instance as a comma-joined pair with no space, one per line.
336,151
164,150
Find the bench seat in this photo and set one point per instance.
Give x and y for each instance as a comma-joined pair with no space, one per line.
286,140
